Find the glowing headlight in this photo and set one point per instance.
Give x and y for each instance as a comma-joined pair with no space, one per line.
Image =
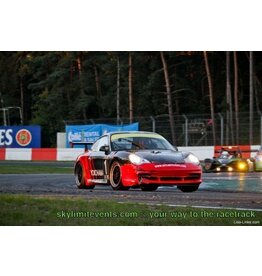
241,166
137,160
230,169
192,159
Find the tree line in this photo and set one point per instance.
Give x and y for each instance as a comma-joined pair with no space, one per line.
53,87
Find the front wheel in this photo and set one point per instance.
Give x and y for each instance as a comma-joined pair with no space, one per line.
188,188
115,177
79,178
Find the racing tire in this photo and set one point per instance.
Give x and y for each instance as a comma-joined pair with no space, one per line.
79,178
188,188
149,187
115,177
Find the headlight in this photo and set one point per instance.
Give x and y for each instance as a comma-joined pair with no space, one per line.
137,160
191,158
241,166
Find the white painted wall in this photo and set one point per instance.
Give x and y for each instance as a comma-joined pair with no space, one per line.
200,152
61,139
18,154
68,154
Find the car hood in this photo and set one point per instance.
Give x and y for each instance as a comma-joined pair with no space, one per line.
223,161
159,157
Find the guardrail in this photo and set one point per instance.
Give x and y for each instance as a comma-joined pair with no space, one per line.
70,154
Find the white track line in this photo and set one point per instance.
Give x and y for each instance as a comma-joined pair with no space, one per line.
203,207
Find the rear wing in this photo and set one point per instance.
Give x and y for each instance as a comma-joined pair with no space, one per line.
86,144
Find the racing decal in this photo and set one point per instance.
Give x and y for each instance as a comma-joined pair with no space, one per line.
23,137
170,165
97,172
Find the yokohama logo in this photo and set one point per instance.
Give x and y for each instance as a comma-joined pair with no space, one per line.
97,172
23,137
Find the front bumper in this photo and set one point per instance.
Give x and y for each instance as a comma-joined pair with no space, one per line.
241,167
161,174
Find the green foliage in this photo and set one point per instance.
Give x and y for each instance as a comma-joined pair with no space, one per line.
52,87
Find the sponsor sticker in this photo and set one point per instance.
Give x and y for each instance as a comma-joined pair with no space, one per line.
170,165
23,137
96,172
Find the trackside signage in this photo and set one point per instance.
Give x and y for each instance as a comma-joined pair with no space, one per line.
90,133
20,137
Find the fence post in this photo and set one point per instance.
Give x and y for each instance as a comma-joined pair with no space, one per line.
186,129
4,114
221,128
261,129
153,123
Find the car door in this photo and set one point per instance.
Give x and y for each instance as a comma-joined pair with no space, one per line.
97,159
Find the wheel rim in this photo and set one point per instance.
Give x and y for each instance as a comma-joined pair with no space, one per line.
115,175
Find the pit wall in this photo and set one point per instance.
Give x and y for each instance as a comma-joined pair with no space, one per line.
69,154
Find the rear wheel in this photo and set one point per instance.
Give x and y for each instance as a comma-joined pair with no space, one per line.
188,188
79,178
149,187
115,177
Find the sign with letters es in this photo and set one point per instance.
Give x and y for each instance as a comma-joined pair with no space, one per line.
20,137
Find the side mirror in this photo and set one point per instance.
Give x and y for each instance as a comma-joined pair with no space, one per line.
105,149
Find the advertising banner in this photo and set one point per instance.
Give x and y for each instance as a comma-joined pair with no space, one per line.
90,133
20,137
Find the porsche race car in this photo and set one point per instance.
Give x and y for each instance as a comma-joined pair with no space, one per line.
229,159
138,159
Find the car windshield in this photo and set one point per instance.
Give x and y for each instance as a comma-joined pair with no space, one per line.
137,141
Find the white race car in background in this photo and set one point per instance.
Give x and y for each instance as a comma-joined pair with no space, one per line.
257,161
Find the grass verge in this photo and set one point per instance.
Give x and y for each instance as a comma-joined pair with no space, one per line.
54,210
35,169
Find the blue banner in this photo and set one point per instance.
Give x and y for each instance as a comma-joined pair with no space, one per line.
20,137
90,133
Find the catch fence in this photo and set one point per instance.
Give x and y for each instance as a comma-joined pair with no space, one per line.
196,129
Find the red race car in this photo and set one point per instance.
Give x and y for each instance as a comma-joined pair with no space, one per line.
137,159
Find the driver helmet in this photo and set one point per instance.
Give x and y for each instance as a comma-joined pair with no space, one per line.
224,154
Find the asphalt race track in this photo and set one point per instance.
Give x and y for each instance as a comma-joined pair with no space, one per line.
234,190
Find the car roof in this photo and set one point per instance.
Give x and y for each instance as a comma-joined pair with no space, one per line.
131,132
